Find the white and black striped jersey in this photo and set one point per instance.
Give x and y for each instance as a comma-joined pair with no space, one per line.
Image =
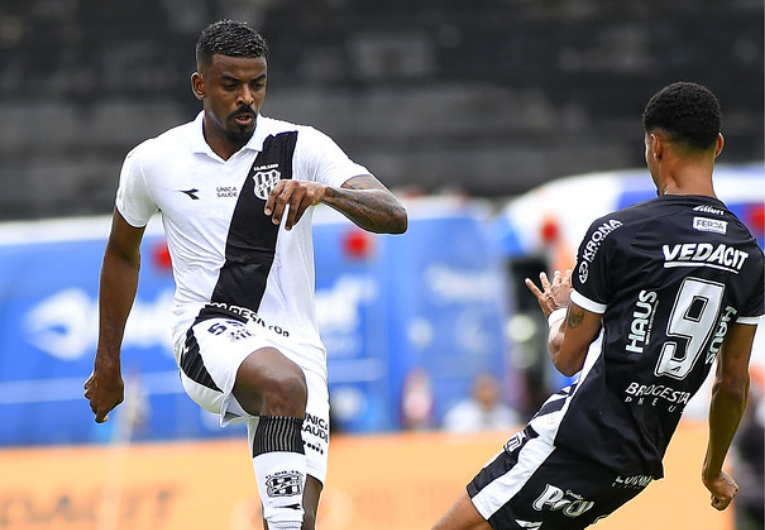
224,249
669,277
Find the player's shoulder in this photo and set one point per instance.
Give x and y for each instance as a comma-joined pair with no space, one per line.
667,210
622,225
164,144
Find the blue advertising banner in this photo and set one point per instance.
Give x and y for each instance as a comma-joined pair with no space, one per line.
393,310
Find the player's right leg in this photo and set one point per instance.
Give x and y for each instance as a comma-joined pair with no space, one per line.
231,368
310,504
272,390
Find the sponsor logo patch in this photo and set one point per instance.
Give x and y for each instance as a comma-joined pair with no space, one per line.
596,239
706,224
642,321
721,256
633,482
708,209
515,442
569,503
584,272
191,193
226,191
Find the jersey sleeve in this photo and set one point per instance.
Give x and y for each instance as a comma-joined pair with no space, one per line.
133,199
591,278
754,308
320,159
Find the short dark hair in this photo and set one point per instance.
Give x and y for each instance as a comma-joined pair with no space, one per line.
687,112
230,38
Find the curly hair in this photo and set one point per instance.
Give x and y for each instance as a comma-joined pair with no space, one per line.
230,38
687,112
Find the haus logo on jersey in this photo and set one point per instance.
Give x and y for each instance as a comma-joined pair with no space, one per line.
705,224
568,502
284,484
266,178
721,256
642,321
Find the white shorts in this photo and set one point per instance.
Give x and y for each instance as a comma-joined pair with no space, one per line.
209,361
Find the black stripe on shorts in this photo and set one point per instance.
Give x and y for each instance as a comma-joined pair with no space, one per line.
503,463
193,365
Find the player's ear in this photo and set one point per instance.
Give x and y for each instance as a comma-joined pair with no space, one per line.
198,85
720,144
657,145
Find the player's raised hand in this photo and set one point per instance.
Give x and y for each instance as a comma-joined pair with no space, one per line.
723,488
553,295
104,389
298,195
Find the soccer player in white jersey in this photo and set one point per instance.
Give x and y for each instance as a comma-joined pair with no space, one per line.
660,292
235,190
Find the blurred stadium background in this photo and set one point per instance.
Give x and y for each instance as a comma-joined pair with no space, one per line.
473,112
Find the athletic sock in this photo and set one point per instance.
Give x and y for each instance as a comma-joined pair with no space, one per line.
280,467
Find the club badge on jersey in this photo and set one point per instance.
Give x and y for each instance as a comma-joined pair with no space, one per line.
266,178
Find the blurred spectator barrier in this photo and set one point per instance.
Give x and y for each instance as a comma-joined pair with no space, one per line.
402,482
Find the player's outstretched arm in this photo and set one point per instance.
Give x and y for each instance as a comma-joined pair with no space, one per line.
368,203
729,396
362,199
104,389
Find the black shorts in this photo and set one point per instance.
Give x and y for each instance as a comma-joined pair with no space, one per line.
533,484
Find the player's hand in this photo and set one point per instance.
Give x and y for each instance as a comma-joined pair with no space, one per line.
104,390
723,488
553,295
298,195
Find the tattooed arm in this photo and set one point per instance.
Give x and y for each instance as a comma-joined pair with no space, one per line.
571,335
570,341
362,199
368,203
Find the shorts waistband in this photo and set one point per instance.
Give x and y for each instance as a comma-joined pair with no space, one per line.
234,312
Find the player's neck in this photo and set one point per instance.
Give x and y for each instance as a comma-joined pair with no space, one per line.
686,177
688,182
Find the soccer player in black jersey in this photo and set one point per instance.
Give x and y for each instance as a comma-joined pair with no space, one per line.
660,291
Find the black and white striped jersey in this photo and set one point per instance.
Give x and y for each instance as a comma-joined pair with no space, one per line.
669,277
224,249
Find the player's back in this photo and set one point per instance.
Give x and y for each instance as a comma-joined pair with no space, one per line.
669,276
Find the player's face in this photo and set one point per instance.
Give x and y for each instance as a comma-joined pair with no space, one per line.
233,90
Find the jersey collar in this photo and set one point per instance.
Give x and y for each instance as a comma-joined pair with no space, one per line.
200,145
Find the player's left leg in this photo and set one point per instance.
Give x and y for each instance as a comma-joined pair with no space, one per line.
311,502
462,516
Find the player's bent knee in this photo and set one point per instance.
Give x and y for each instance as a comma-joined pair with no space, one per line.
268,383
286,396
